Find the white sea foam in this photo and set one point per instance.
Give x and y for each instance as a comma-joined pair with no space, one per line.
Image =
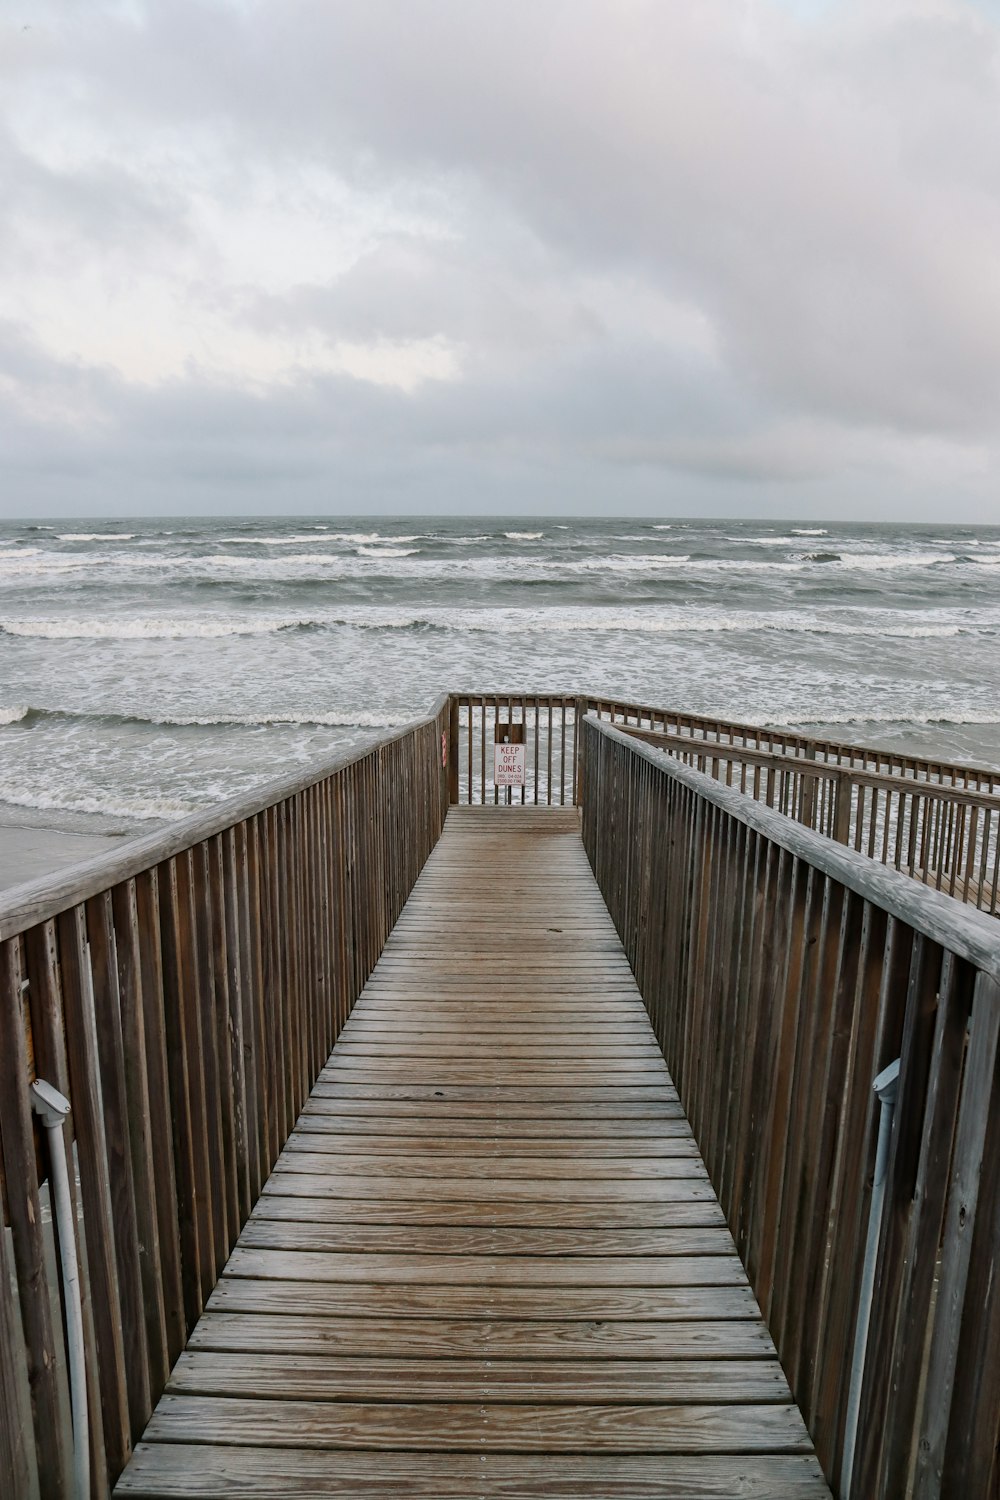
13,715
343,718
131,628
810,531
274,541
523,536
597,619
41,799
879,561
905,716
387,551
95,536
23,565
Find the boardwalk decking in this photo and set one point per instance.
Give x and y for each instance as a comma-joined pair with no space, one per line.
489,1261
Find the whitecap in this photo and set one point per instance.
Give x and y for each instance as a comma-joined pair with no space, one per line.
95,536
346,718
151,628
141,810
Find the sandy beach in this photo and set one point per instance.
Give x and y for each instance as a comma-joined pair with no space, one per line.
30,849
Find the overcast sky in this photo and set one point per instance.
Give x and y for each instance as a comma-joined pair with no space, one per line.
649,256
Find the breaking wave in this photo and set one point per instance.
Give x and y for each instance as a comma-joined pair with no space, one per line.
342,718
513,620
95,536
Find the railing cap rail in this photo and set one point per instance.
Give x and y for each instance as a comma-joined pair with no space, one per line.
22,906
967,933
819,770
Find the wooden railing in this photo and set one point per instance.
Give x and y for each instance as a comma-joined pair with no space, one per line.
552,721
782,972
183,992
936,820
943,835
833,752
549,721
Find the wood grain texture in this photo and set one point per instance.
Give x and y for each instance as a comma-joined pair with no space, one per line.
200,1471
488,1259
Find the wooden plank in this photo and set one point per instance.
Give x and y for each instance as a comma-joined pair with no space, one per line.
288,1180
534,1428
664,1212
325,1377
412,1269
204,1472
321,1133
307,1153
264,1233
95,1185
237,1293
602,1339
20,1178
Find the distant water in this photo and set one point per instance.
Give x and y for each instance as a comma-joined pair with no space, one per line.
150,668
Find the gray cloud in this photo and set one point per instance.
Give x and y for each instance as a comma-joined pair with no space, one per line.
594,256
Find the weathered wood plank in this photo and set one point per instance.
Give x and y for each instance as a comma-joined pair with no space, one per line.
235,1293
324,1377
204,1472
533,1428
412,1269
601,1339
264,1233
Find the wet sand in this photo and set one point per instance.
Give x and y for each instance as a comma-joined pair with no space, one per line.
28,852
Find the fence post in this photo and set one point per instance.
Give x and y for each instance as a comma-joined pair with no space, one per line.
842,808
579,714
807,801
454,717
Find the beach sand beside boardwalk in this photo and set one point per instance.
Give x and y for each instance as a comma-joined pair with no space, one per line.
30,850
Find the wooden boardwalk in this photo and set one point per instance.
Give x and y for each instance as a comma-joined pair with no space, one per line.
489,1261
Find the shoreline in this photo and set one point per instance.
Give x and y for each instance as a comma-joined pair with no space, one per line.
33,846
35,843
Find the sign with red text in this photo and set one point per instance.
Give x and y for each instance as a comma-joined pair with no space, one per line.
508,765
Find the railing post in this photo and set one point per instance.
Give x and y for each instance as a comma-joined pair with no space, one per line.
579,714
807,800
842,808
454,718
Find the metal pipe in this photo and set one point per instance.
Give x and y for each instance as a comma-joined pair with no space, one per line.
52,1108
886,1087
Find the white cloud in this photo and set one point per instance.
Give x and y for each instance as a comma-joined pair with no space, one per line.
755,246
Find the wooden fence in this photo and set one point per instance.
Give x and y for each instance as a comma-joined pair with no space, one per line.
943,835
936,820
782,972
184,994
786,741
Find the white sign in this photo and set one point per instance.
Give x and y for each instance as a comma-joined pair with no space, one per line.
508,765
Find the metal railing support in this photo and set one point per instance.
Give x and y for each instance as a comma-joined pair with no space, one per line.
886,1087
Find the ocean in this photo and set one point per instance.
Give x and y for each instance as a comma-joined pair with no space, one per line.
150,668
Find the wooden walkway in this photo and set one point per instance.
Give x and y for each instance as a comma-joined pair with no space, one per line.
489,1261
